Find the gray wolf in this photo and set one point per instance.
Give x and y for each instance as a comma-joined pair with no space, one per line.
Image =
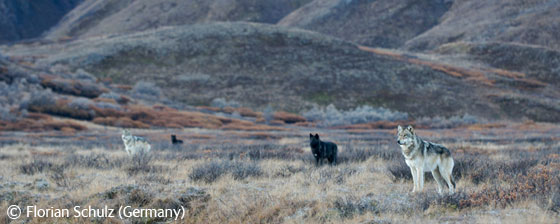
174,140
134,144
423,156
322,150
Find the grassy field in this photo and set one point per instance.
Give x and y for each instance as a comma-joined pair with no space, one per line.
505,174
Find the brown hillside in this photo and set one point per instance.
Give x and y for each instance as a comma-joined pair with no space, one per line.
291,69
94,17
534,22
382,23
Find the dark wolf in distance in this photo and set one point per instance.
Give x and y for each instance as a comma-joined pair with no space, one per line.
322,150
175,141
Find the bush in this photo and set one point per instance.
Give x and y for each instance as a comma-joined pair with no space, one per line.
352,154
36,166
147,91
80,104
116,97
348,206
39,99
288,118
241,170
452,122
141,163
222,103
330,116
96,161
398,170
210,172
77,88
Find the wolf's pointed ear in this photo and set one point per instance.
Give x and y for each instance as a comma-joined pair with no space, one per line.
399,129
310,135
410,128
316,136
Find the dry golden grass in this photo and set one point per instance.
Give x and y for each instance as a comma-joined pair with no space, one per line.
285,186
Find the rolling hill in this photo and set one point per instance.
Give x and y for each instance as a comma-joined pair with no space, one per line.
292,69
29,19
383,23
126,16
535,22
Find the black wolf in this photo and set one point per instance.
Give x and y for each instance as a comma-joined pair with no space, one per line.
174,140
322,150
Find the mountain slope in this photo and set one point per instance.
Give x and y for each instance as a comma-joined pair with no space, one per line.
122,16
536,62
291,69
529,22
28,19
382,23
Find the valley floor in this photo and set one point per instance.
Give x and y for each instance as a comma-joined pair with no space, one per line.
504,175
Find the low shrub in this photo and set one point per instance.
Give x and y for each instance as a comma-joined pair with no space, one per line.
72,87
288,118
210,172
330,116
451,122
222,103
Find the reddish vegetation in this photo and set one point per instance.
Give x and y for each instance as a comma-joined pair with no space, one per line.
257,127
540,180
124,122
247,112
288,118
258,135
41,122
213,109
105,100
243,111
123,87
480,127
72,87
470,74
139,116
61,108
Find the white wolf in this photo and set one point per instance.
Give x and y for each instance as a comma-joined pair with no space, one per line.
134,144
423,156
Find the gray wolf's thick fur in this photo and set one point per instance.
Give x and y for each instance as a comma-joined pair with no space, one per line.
423,156
134,144
323,150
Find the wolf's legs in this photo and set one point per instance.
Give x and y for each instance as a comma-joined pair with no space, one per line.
439,179
420,176
414,178
448,178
